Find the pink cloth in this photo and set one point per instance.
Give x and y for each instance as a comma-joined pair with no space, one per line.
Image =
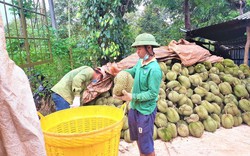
20,130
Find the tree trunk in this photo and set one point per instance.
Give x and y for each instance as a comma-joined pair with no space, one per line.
52,14
246,54
187,15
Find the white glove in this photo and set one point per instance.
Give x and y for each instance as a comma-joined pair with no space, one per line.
76,102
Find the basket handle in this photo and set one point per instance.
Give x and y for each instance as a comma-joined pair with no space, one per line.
40,115
124,107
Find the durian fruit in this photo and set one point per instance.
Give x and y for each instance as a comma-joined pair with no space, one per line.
228,63
240,91
185,71
171,75
162,94
190,92
195,80
200,90
184,81
125,125
217,119
225,88
214,70
163,85
210,97
205,86
228,78
219,66
204,76
127,136
227,120
243,67
190,69
230,98
238,120
192,118
183,100
182,128
196,129
196,99
185,110
171,127
248,87
228,70
122,134
210,124
201,111
231,108
208,65
241,74
199,68
164,134
172,115
122,81
155,133
117,102
162,105
217,108
182,90
173,84
161,120
168,62
101,101
190,103
176,68
105,94
208,106
218,100
174,96
244,105
246,117
215,78
163,67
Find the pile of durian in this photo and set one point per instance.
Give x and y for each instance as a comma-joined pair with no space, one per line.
197,98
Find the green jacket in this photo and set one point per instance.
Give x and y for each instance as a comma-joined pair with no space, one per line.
147,80
73,83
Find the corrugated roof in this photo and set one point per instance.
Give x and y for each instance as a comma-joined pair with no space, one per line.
244,16
224,32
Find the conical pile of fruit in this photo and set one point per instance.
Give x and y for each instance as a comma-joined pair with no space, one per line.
198,98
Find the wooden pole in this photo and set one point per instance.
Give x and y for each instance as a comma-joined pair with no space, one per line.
246,54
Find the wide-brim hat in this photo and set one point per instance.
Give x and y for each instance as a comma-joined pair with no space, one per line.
145,39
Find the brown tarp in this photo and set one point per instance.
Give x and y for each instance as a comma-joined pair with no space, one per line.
20,131
188,53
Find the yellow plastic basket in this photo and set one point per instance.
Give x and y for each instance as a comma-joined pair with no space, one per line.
83,131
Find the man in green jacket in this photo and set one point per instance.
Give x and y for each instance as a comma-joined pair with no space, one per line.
147,76
66,93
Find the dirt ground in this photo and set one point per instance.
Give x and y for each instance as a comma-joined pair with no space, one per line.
223,142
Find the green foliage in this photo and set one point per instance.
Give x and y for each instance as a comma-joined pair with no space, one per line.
210,12
202,13
27,4
108,31
68,17
154,21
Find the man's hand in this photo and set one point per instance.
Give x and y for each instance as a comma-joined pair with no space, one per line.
76,102
126,96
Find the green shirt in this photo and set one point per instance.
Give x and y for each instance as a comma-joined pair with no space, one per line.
73,83
147,80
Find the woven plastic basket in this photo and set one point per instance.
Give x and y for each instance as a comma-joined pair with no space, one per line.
83,131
